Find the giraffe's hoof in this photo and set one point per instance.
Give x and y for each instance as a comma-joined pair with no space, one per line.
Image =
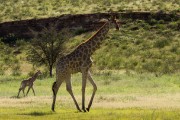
87,109
84,110
79,110
52,109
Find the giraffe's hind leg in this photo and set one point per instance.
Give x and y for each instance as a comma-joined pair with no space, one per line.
55,88
21,88
19,92
23,92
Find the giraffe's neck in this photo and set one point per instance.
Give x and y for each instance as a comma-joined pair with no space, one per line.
34,77
94,42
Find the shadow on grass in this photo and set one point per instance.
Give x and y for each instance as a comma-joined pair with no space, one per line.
15,97
35,113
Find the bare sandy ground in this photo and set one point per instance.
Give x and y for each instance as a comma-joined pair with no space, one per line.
104,101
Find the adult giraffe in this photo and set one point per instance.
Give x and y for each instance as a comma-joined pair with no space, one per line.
80,61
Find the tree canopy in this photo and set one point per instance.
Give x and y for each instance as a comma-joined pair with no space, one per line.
47,45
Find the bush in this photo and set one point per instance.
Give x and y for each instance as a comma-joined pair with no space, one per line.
173,25
2,69
16,70
15,67
160,43
152,21
152,66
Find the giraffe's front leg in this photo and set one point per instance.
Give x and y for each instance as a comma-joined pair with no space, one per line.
69,89
28,90
33,91
84,79
94,90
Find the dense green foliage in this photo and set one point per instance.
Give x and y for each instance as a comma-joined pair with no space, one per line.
26,9
8,61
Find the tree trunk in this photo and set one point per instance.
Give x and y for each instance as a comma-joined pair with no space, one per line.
50,70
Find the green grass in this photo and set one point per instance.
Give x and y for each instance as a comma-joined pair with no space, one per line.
122,84
97,114
119,96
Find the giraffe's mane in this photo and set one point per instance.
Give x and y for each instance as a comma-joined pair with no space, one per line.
94,33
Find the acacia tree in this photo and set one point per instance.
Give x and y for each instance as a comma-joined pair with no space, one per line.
47,45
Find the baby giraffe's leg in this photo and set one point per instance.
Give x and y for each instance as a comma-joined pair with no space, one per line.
28,90
19,92
23,91
33,91
21,88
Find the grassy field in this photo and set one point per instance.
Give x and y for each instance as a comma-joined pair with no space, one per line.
119,96
20,9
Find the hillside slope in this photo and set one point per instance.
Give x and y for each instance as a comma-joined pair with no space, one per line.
11,10
142,46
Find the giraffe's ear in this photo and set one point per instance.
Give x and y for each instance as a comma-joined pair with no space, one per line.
114,17
103,20
110,11
111,14
109,19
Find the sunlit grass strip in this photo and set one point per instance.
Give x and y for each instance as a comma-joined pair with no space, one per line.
97,114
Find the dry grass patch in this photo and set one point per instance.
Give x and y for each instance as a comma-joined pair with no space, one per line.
100,101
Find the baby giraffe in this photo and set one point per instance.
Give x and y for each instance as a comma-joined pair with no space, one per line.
28,82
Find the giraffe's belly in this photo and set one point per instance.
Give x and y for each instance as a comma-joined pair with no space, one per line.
74,65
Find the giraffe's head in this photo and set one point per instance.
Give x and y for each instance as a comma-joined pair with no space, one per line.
39,72
113,22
